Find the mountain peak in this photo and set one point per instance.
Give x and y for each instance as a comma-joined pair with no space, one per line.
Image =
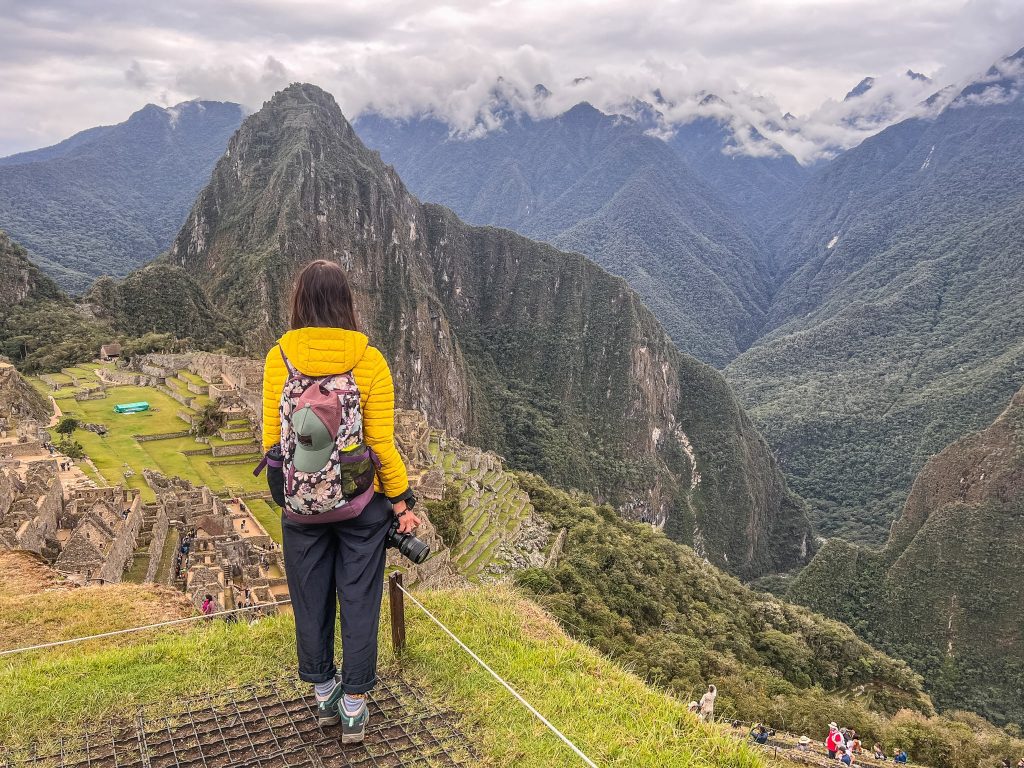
860,88
583,113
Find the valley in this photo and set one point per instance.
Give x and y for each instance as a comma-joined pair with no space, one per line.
668,435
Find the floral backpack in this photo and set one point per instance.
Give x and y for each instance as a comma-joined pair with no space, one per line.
322,430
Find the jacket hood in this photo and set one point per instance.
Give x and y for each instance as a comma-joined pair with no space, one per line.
323,351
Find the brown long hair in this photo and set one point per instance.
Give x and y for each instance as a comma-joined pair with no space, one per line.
322,298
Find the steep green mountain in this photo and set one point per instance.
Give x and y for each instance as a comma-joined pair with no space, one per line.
656,607
599,184
20,279
899,326
111,198
157,307
508,343
40,327
946,591
160,298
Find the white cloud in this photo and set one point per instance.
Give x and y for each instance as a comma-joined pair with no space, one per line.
67,66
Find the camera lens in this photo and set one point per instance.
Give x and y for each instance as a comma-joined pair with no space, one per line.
414,549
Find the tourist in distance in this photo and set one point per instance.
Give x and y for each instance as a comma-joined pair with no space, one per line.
707,704
899,756
326,392
833,740
877,752
208,606
844,754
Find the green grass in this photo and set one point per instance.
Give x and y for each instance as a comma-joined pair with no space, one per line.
189,376
167,555
137,573
609,713
110,454
268,515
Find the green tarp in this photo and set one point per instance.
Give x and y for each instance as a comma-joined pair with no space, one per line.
131,407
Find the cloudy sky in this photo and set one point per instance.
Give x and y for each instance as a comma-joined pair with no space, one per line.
72,64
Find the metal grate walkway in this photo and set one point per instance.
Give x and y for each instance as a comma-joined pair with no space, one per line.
272,725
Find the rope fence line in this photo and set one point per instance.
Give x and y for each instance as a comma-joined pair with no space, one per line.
143,628
497,677
397,583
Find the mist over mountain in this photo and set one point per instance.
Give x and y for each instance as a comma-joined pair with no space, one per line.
601,185
897,326
111,198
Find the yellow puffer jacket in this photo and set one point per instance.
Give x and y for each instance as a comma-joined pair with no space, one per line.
321,352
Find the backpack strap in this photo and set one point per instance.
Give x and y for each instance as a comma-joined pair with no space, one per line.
287,363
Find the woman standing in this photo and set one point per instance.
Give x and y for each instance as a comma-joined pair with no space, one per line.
329,404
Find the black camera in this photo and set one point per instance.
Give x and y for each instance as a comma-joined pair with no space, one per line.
406,543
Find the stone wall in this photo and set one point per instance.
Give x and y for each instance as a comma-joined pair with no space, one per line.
162,436
234,449
176,395
161,527
96,393
121,377
121,549
26,448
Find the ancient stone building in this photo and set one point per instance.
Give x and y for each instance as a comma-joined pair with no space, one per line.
31,502
98,534
224,552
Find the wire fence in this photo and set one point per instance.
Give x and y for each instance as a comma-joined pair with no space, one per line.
263,606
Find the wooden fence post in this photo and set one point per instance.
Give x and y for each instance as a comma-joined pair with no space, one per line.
396,600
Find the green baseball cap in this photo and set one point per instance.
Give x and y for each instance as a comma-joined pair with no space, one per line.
314,442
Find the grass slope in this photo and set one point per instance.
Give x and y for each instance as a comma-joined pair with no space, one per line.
583,693
119,454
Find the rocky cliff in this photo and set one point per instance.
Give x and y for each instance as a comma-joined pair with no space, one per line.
946,591
20,279
509,344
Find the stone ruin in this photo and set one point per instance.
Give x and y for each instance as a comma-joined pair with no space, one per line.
31,503
234,382
98,533
223,550
88,535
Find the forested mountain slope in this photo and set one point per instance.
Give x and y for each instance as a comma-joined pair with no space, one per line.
111,198
946,592
899,325
43,329
508,343
598,184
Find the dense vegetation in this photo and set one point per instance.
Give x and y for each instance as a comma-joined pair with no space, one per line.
42,330
446,516
945,594
657,608
508,343
111,198
598,184
878,294
899,326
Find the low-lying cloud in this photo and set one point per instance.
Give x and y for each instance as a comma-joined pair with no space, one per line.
67,66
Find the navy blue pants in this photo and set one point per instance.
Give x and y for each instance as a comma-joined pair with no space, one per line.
331,563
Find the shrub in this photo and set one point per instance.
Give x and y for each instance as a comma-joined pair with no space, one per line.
71,448
446,516
210,420
67,426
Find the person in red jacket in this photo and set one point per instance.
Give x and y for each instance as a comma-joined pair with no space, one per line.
835,738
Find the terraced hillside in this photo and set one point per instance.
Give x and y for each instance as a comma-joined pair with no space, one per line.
121,446
500,529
